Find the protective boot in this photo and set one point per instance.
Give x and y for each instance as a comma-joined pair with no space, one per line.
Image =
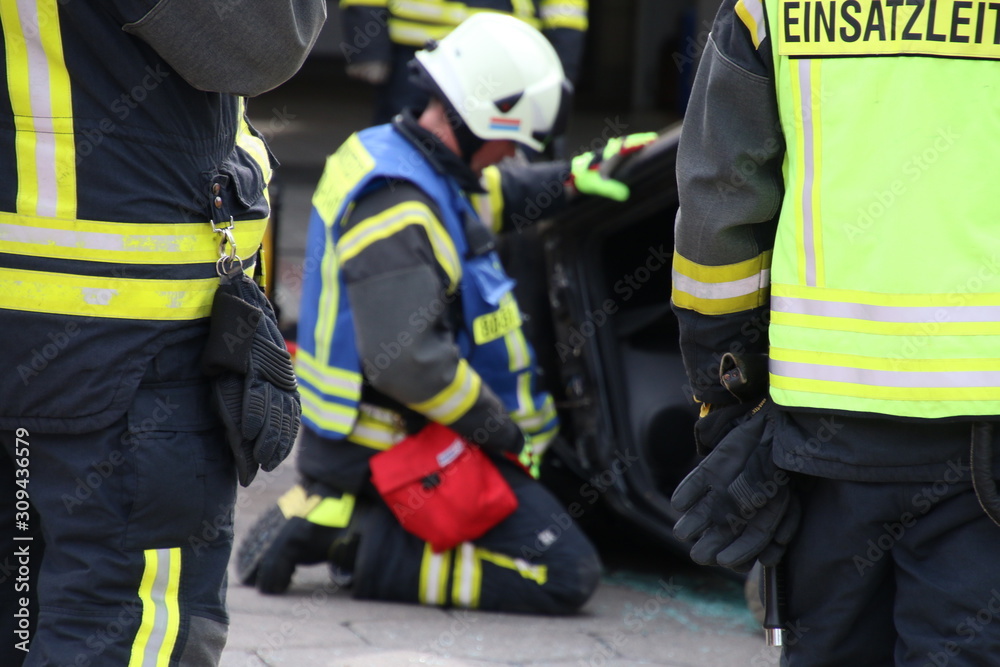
307,526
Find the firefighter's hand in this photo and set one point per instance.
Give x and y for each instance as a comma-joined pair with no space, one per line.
715,422
590,172
737,504
374,72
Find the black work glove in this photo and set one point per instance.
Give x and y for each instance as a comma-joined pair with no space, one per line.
253,382
737,503
717,422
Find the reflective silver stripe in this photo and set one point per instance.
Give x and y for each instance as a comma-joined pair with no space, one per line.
330,381
436,12
882,378
41,108
726,290
873,313
549,12
434,565
756,9
466,566
808,169
327,415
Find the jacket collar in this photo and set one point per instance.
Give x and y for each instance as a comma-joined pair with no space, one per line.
441,158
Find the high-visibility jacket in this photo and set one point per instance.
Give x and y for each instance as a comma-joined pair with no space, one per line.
413,22
885,293
834,208
112,171
492,346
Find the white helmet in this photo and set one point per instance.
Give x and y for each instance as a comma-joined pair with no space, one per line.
501,76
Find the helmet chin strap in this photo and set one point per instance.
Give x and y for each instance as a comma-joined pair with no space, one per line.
468,143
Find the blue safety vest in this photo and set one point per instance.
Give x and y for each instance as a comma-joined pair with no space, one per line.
491,339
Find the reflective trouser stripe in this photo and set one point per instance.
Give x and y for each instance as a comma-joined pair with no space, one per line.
467,579
434,576
42,108
158,593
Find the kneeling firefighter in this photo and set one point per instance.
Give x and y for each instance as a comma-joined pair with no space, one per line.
409,326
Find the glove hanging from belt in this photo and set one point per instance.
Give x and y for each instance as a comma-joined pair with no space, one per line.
253,381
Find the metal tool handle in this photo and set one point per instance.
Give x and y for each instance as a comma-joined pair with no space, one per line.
774,605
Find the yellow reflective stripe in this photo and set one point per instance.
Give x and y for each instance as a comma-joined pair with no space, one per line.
120,242
391,221
537,573
323,511
570,14
329,380
456,399
863,392
253,145
525,10
344,4
328,415
329,303
450,13
957,365
433,586
751,12
333,512
489,204
918,329
413,33
467,578
374,434
158,594
719,290
123,298
343,170
40,96
295,502
416,34
517,350
846,296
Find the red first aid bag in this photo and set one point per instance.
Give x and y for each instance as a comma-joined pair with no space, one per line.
442,489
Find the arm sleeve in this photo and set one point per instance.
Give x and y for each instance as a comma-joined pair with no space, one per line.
403,292
365,31
228,46
730,186
520,194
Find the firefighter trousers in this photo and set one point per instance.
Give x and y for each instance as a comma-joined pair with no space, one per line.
114,543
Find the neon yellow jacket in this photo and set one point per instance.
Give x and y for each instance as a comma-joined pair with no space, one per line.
833,197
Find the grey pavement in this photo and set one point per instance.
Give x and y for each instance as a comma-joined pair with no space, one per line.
650,608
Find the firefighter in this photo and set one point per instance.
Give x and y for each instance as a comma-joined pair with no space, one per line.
380,37
835,248
408,317
123,142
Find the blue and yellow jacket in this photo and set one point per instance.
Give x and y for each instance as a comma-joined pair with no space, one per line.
404,295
